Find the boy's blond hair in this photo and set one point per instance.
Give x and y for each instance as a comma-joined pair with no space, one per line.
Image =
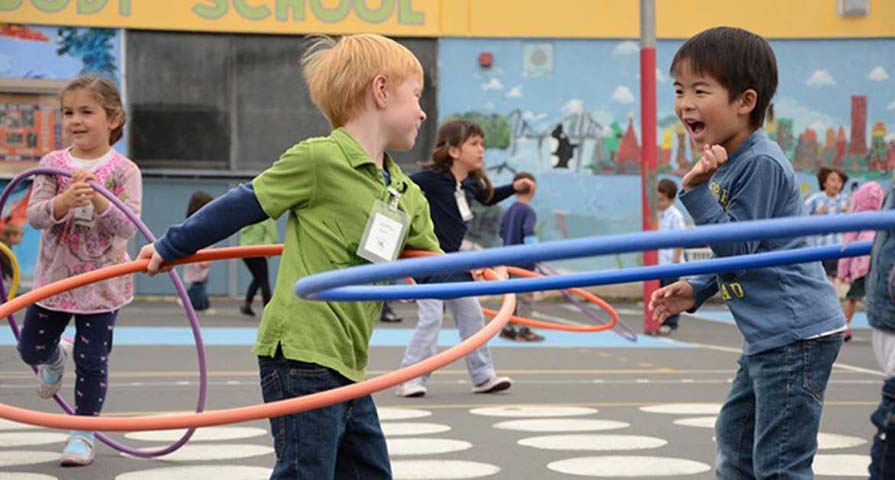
338,72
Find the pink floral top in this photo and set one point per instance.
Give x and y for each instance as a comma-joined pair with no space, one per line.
69,247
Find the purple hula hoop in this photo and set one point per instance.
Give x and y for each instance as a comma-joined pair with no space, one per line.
181,292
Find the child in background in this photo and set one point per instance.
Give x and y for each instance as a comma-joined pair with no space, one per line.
261,233
881,317
331,188
517,226
196,274
10,235
81,231
670,219
853,270
789,315
450,181
829,201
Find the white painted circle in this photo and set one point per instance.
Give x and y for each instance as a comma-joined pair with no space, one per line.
401,413
220,472
28,439
399,429
425,446
841,465
441,469
684,408
538,412
10,425
196,452
593,443
560,425
702,422
832,441
25,476
628,466
201,435
15,458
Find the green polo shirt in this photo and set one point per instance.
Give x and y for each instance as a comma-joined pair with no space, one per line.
328,186
261,233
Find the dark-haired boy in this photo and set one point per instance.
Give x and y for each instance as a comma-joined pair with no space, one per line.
789,316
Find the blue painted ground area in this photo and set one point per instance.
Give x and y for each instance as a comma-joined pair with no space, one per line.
386,337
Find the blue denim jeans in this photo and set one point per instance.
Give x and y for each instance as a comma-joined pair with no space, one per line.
343,441
198,296
768,425
882,453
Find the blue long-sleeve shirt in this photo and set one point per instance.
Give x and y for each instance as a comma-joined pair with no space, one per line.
214,222
772,306
881,280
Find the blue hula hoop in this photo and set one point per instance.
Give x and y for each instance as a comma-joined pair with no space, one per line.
333,285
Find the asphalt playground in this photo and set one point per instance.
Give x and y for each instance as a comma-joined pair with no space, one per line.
583,405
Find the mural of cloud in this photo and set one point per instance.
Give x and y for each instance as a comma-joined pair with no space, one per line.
573,106
515,92
878,74
493,84
5,63
661,77
891,106
532,116
820,78
623,94
804,117
624,49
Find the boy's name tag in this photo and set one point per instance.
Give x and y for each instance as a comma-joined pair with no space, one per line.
463,205
84,216
384,234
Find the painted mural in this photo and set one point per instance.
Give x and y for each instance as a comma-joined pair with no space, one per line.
568,111
30,125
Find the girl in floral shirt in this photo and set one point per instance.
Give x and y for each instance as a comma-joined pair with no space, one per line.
81,231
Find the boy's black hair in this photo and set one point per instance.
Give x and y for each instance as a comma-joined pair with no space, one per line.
735,58
825,172
668,188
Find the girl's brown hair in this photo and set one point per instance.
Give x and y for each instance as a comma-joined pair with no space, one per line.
106,94
453,134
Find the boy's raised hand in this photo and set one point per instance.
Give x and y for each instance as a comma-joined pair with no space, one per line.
712,158
672,300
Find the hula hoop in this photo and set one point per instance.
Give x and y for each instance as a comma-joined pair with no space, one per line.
178,285
241,414
16,272
332,286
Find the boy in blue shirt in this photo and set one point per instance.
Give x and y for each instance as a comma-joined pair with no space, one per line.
789,316
881,316
517,226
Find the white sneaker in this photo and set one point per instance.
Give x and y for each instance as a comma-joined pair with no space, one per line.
495,384
411,390
78,451
49,377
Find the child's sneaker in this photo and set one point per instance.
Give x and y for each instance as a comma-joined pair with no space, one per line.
508,333
411,390
78,450
495,384
847,334
49,376
526,335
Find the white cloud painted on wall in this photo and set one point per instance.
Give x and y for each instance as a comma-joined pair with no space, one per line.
820,78
878,74
891,106
573,106
626,48
493,84
532,116
623,94
515,92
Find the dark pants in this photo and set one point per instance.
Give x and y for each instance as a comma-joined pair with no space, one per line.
198,296
671,321
882,453
39,341
342,441
258,268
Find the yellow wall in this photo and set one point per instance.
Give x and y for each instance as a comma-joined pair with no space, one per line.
474,18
